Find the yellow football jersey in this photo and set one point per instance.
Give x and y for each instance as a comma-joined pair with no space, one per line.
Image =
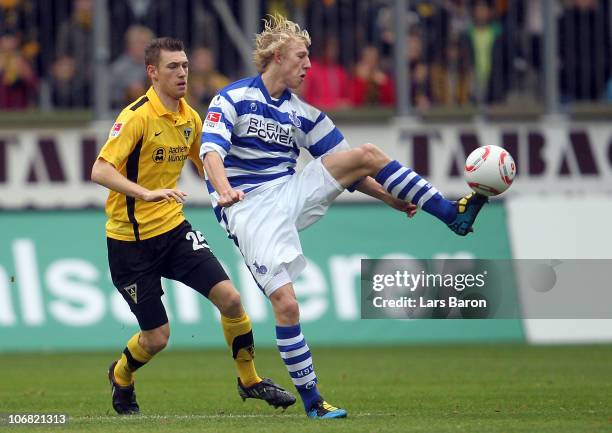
149,145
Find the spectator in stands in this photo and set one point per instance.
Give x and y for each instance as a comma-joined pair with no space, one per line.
18,16
459,15
66,90
534,29
419,70
127,13
18,82
510,66
451,75
483,39
192,21
370,84
204,79
75,40
584,44
327,84
381,20
434,20
128,74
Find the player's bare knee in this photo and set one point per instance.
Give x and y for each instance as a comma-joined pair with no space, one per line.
289,309
158,345
155,342
232,305
371,157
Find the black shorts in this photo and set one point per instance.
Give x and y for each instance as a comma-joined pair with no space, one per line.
182,254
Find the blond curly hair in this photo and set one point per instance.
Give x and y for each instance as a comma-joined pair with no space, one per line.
277,31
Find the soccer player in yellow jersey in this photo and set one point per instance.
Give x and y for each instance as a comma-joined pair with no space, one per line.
148,236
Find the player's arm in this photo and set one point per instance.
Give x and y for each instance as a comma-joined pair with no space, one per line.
216,142
126,132
374,189
213,164
104,173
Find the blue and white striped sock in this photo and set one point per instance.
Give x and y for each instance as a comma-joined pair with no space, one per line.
296,355
407,185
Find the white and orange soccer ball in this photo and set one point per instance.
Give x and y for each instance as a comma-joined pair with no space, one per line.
489,170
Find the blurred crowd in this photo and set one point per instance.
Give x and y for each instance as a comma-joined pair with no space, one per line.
458,52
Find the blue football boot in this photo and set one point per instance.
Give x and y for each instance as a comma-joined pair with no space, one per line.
324,410
467,210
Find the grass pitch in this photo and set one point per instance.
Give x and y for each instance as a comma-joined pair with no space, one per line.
467,388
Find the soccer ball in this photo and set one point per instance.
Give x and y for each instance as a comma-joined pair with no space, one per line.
489,170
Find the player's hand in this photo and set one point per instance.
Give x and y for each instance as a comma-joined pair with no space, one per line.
168,195
229,197
403,206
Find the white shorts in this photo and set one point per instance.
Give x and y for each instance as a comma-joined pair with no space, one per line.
265,224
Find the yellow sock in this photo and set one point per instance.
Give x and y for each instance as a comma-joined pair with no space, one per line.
239,337
133,357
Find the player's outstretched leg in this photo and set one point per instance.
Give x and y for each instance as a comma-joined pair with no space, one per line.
296,355
405,184
349,167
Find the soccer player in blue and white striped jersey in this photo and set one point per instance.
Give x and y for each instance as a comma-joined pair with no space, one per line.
252,135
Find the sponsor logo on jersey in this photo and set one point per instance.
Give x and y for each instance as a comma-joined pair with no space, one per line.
178,153
116,129
270,131
159,155
175,154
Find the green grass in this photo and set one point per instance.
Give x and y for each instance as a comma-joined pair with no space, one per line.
483,388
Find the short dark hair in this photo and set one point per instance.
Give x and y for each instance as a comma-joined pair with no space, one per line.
156,45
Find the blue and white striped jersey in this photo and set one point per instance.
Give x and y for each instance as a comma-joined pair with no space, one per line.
259,137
